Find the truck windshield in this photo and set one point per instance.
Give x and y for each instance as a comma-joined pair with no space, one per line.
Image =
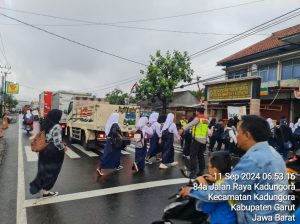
70,107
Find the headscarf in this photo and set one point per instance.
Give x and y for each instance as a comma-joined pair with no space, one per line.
270,122
292,126
169,121
113,119
28,114
52,119
142,122
153,117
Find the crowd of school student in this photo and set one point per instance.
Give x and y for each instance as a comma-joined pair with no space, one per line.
285,137
254,136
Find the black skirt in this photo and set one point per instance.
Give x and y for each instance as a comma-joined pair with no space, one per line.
49,166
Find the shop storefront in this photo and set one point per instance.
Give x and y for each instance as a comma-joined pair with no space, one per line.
243,93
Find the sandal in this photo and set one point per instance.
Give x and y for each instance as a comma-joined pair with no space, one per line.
100,172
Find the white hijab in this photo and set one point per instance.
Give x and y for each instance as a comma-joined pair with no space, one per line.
142,122
113,119
153,117
270,122
169,121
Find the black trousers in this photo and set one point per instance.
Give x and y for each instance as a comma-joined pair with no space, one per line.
197,157
212,142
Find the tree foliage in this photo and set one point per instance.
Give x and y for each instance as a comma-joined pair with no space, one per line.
116,97
10,101
162,76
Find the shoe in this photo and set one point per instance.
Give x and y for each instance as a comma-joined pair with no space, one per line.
100,172
158,160
162,166
50,194
119,168
175,163
148,162
135,167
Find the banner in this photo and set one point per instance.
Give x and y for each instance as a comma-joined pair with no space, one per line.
264,91
12,88
236,112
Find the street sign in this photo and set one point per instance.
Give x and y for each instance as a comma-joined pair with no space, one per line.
12,88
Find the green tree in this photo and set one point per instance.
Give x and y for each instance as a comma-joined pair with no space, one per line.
10,101
162,76
116,97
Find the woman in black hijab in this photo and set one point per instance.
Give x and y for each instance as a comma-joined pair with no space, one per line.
51,158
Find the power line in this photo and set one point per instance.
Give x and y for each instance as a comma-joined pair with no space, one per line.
73,41
250,34
3,50
132,27
139,20
245,33
91,23
201,81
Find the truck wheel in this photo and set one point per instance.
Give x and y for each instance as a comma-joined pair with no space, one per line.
83,141
70,139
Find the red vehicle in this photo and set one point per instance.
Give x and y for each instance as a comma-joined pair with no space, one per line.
45,100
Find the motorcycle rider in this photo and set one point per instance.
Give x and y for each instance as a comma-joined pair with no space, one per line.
28,118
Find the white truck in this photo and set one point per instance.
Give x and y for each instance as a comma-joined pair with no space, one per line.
87,118
61,101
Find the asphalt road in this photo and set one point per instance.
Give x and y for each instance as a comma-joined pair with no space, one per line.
117,197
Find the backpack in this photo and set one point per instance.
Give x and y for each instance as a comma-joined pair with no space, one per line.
138,139
297,132
225,136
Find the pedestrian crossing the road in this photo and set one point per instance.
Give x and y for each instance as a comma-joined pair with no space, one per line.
130,149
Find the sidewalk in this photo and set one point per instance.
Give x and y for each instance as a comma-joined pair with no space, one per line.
2,150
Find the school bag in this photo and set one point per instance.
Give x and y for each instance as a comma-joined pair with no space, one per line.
138,139
225,136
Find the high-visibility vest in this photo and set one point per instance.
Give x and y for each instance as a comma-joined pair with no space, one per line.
183,123
199,131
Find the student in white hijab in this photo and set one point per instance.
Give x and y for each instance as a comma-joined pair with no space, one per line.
154,149
143,131
169,131
112,150
270,122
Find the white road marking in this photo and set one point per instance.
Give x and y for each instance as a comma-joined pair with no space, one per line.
30,155
102,192
89,153
72,154
21,209
125,153
130,148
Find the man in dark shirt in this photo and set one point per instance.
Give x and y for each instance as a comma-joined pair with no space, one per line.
216,136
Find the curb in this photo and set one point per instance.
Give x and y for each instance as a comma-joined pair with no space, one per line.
2,150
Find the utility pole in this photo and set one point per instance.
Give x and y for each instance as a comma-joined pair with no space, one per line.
3,92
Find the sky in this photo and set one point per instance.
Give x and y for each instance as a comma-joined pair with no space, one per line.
43,62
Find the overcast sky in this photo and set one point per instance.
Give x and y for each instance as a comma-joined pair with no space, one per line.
41,62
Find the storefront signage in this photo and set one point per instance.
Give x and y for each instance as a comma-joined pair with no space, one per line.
236,112
230,91
12,88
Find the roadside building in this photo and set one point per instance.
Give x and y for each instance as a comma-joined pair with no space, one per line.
276,62
183,103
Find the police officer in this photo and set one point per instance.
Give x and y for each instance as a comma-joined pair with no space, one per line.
199,128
